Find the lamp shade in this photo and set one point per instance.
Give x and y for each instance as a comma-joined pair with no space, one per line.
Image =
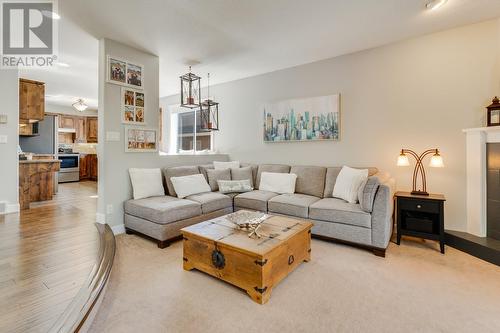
403,160
436,161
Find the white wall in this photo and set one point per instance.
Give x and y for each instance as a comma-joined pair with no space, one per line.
416,94
9,92
114,183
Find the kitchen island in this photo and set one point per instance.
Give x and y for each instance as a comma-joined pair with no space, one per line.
36,180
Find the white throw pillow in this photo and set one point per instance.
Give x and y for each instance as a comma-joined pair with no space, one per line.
226,165
146,183
278,182
348,182
186,185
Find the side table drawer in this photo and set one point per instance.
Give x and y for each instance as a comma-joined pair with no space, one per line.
419,206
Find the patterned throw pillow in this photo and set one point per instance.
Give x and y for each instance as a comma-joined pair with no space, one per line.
242,173
215,175
234,186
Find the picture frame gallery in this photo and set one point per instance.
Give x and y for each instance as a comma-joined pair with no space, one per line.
124,73
133,106
141,140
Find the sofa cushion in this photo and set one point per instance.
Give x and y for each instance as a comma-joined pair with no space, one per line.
226,165
146,183
242,173
256,200
211,201
292,204
203,169
178,172
231,195
270,168
162,209
278,182
310,180
337,210
234,186
366,193
215,175
255,168
331,178
348,183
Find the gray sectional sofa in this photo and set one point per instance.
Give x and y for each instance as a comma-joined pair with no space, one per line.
162,217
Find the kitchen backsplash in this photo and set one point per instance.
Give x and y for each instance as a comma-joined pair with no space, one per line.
85,148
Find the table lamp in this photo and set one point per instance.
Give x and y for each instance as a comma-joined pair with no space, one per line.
435,162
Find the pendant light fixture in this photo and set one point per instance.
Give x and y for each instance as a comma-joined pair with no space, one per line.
80,105
209,112
190,90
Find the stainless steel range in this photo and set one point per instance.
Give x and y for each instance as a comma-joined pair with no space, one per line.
70,168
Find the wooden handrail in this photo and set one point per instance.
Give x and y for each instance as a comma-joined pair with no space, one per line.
75,315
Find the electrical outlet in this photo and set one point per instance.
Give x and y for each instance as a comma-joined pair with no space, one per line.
3,119
3,138
109,209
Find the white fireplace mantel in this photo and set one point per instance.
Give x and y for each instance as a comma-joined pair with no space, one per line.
476,140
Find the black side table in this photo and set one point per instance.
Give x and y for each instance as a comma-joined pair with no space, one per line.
420,216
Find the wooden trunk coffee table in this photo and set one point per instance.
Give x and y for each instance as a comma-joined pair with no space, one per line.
254,264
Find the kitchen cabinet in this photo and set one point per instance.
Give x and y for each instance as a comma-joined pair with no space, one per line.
91,129
67,122
83,167
88,166
30,129
31,100
81,130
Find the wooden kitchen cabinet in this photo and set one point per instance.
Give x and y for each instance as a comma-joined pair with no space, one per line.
31,100
88,166
67,122
92,164
92,129
83,167
81,129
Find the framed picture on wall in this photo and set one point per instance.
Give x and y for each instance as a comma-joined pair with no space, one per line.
305,119
132,106
125,73
141,140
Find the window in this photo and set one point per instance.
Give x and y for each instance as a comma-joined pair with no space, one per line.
181,136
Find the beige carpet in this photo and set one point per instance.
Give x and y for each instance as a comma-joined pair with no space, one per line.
342,289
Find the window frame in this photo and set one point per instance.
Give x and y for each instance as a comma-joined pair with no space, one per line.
173,135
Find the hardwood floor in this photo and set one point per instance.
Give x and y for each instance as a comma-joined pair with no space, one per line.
46,255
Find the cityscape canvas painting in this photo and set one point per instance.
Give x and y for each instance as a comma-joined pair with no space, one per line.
307,119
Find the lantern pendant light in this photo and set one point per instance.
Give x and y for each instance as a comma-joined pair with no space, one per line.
190,90
209,112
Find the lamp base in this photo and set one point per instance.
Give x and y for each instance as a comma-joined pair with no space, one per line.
419,193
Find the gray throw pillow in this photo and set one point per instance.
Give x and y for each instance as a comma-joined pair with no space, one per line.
242,174
215,175
366,193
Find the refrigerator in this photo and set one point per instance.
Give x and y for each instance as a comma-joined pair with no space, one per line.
46,142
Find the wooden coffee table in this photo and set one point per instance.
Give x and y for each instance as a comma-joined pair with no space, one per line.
256,265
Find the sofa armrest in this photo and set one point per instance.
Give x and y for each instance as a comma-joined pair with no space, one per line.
382,217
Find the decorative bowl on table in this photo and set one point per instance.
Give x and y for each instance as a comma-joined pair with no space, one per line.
247,221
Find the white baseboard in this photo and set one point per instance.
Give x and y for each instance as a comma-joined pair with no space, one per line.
8,208
118,229
100,218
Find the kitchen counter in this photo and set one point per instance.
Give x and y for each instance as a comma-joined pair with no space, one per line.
36,180
39,161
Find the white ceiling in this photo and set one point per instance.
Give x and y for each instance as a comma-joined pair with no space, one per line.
234,39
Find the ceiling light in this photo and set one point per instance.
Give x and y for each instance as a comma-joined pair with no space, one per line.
435,4
62,64
80,106
52,15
